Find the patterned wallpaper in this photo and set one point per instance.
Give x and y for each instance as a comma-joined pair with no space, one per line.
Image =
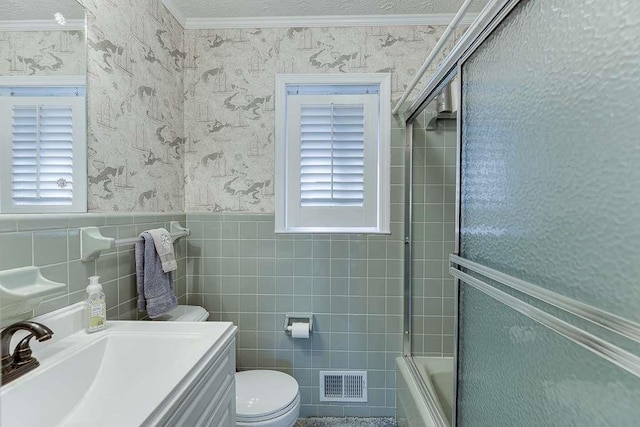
135,107
42,53
183,120
229,98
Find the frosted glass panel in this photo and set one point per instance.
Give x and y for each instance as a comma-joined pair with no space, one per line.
550,172
518,373
551,151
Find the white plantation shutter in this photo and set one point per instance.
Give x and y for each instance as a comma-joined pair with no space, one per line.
332,153
42,155
43,142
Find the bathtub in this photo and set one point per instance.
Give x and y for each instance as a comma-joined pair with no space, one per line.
427,401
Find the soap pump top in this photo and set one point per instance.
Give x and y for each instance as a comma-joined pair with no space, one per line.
94,285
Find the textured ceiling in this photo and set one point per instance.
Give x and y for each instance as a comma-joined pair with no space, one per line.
272,8
39,9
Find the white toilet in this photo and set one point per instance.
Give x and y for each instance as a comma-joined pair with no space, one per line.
263,398
266,399
185,313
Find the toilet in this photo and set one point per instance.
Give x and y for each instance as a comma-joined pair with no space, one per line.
185,313
263,398
266,399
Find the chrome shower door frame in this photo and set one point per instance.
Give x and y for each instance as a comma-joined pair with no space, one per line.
490,17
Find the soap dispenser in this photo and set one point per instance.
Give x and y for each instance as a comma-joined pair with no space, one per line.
96,306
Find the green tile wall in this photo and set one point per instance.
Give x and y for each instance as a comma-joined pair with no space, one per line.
240,271
433,234
52,242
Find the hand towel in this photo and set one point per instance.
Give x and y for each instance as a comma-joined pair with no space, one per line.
156,294
164,246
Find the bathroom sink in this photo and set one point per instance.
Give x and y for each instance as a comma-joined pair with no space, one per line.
129,374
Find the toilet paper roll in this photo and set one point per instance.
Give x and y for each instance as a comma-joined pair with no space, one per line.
300,330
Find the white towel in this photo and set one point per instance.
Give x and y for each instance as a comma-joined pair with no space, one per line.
164,247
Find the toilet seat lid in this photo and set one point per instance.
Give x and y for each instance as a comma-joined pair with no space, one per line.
261,393
185,313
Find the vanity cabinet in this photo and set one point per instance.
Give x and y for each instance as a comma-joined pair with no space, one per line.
208,398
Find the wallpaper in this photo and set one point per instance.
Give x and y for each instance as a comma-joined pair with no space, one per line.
135,107
229,98
42,53
183,120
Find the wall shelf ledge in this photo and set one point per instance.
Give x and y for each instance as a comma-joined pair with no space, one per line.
23,289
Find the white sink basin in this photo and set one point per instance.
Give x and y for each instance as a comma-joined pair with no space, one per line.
126,375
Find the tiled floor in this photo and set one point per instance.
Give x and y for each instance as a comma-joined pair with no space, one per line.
346,422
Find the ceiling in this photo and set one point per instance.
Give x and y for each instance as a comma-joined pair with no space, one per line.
39,9
253,9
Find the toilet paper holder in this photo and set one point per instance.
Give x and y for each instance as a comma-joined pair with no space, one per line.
291,318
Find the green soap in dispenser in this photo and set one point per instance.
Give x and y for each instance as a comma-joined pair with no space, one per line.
96,306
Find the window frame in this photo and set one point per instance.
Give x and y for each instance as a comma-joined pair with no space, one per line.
79,203
379,220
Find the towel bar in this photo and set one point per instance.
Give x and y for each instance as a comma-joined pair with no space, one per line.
92,242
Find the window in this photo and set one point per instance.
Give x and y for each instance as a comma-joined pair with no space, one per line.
43,149
332,153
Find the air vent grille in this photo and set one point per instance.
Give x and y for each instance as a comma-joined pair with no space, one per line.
343,386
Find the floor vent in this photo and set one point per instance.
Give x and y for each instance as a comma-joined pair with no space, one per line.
343,386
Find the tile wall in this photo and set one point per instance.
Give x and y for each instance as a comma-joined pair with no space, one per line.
240,271
433,234
233,264
52,242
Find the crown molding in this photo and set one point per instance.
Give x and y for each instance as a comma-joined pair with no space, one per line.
175,11
40,25
321,21
43,81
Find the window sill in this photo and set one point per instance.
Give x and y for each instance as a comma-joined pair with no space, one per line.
333,230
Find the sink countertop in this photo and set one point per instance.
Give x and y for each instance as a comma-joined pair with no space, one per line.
119,376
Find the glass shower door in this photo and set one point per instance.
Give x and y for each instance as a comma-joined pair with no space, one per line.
550,202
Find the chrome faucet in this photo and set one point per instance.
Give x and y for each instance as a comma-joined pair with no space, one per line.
20,362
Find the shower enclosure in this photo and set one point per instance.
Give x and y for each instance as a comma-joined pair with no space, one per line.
545,256
549,261
430,217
